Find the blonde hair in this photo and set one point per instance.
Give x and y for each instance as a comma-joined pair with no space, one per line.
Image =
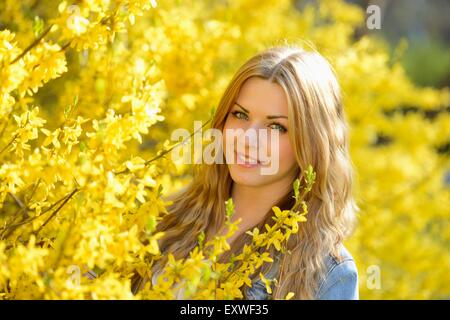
319,136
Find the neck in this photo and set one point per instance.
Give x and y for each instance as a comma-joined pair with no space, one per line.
252,203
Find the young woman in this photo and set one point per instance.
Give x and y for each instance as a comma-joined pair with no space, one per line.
294,92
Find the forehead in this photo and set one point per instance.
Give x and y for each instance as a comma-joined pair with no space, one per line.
260,95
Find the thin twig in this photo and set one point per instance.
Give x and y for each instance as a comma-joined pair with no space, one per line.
176,145
32,45
8,230
9,143
64,47
162,154
35,217
56,211
18,201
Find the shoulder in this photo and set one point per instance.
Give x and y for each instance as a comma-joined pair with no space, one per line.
341,278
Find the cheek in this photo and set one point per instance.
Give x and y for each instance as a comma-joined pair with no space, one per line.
225,127
229,124
286,153
232,123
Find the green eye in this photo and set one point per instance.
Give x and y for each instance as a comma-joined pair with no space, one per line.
278,126
240,115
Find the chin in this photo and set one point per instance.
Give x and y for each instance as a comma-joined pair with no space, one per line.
249,177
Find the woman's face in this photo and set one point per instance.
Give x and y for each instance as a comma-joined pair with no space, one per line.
261,105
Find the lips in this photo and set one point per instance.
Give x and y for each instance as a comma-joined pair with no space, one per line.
246,162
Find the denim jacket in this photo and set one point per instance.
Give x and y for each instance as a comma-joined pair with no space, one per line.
340,282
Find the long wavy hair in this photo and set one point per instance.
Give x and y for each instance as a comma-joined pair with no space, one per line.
319,135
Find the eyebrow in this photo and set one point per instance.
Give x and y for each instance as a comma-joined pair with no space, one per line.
268,117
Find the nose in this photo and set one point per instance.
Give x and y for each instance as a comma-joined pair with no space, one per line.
250,138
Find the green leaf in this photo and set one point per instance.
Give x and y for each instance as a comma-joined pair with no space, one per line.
160,190
296,188
151,224
82,145
213,111
310,177
229,207
38,26
201,238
